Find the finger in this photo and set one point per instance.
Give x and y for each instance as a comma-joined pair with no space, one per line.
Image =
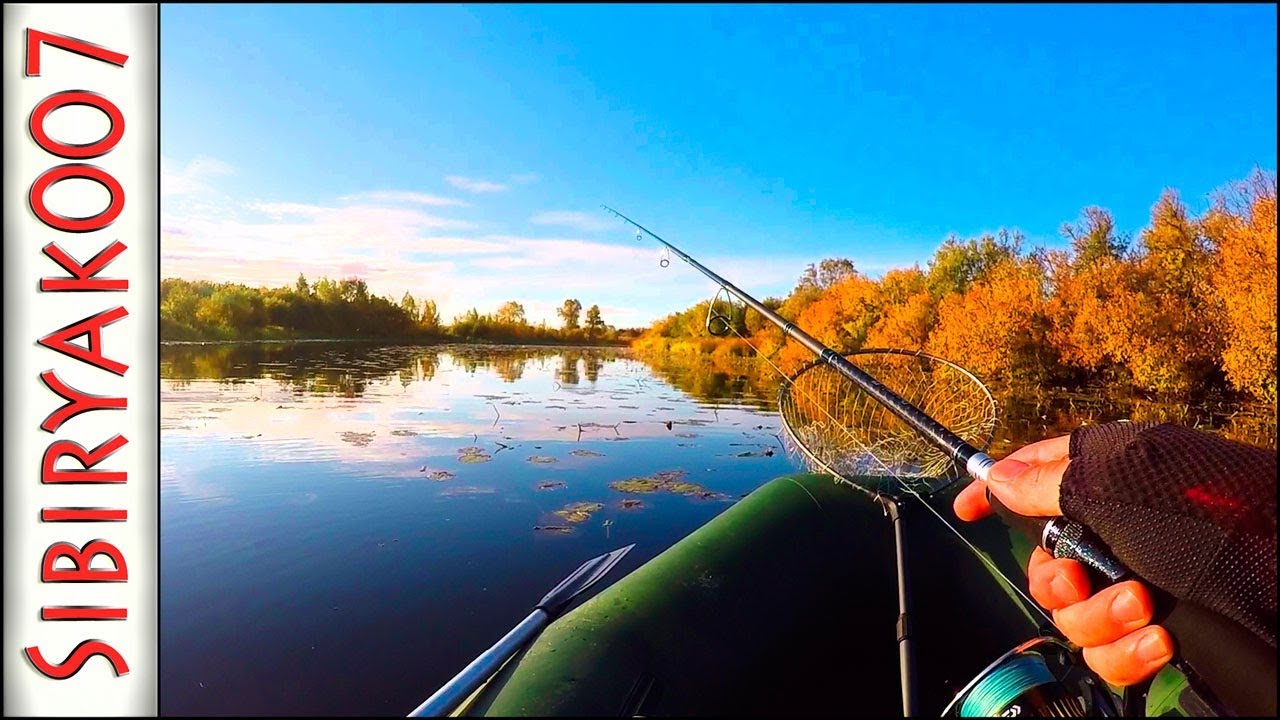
1056,583
1106,617
1133,658
1043,451
971,502
1029,489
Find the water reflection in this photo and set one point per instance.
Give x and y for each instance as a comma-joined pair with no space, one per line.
1023,417
381,514
344,526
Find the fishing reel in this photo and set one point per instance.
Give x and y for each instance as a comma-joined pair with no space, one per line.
1044,677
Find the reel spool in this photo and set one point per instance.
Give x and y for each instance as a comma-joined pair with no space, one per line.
1043,677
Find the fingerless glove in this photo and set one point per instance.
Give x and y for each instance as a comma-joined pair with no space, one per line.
1190,512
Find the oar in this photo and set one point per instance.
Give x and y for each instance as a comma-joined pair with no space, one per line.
483,667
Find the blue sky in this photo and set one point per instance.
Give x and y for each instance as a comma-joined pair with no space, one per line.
461,152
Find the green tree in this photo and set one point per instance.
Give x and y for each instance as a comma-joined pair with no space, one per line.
1093,236
827,273
957,264
595,324
409,305
569,312
300,285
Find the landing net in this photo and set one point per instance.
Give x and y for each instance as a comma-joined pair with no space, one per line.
839,429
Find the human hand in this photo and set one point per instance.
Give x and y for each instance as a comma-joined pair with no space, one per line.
1112,625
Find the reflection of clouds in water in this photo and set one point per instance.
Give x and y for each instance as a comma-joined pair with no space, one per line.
182,485
402,422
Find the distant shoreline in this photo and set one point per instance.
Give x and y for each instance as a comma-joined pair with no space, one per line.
402,341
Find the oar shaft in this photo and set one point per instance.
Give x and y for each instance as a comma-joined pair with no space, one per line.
482,668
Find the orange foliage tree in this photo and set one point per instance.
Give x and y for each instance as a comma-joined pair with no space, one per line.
1242,227
1191,306
996,328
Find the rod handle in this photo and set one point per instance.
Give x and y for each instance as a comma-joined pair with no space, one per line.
1221,658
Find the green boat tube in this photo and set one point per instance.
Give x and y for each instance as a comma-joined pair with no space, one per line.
785,603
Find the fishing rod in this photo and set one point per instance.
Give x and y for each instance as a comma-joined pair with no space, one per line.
1210,646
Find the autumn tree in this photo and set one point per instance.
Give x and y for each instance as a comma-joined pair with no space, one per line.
839,318
908,311
995,327
1242,227
1174,337
511,313
430,318
569,313
409,305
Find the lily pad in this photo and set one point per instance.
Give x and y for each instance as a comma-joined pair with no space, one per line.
578,512
404,433
473,454
630,504
542,459
558,529
440,475
671,481
358,439
586,453
551,484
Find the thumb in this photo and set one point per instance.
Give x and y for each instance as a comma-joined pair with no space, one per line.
1028,489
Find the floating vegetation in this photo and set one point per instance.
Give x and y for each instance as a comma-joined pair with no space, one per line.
686,435
473,454
405,433
357,439
542,459
555,407
631,504
767,452
629,407
578,512
558,529
586,453
552,484
440,475
671,481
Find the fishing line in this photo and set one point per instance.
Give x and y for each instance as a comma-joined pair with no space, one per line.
901,482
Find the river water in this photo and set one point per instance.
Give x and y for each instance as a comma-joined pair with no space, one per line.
345,526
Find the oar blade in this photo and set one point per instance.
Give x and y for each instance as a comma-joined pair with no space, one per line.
584,577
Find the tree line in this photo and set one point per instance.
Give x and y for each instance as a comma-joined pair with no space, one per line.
1187,306
345,309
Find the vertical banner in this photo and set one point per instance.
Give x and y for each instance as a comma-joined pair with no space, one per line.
81,267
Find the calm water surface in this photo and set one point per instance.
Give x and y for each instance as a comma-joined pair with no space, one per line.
345,526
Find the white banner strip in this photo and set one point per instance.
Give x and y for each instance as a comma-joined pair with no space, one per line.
81,422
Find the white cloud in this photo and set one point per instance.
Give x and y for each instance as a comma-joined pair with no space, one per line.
584,221
191,177
406,196
396,247
474,185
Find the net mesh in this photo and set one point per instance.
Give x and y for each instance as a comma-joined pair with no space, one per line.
839,429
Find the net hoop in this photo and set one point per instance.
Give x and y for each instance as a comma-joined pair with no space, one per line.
827,419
